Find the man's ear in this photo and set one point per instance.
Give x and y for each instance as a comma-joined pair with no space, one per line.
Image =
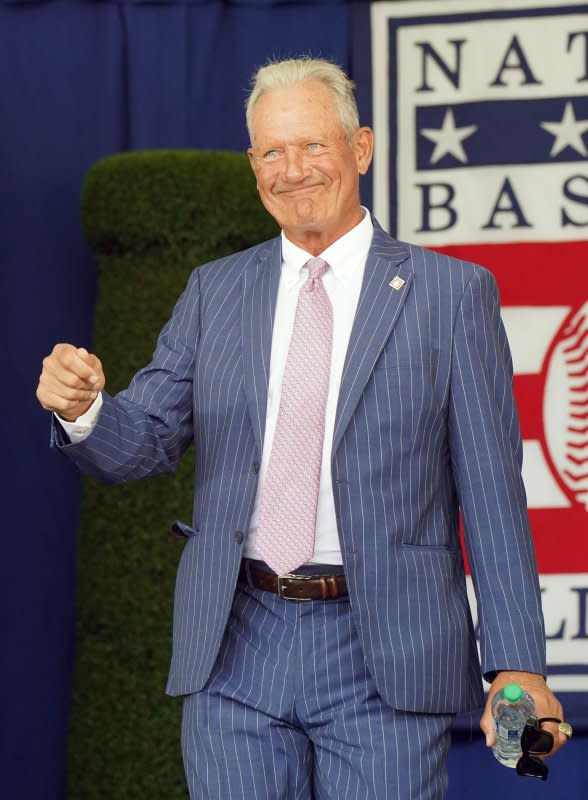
363,147
252,164
251,159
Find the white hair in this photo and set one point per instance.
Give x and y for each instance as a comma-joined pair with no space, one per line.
293,71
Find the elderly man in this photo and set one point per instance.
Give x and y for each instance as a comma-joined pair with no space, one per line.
347,395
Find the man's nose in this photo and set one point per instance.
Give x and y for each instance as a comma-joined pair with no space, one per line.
294,166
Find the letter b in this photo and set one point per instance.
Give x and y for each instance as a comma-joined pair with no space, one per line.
439,202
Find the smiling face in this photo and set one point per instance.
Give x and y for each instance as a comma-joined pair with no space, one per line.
307,171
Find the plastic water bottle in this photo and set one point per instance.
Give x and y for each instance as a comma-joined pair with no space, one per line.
511,709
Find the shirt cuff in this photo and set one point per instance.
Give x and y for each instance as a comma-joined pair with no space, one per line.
83,426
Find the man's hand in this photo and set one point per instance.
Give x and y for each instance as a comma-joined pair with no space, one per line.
546,705
70,381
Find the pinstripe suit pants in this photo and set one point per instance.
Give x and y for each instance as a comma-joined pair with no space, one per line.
291,712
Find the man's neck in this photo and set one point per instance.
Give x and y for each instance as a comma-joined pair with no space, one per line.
316,242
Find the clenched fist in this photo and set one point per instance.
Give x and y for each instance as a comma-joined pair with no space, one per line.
70,381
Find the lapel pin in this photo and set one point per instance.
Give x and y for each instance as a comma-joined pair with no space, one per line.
397,283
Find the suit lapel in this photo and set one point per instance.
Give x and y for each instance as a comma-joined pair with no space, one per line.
260,288
377,312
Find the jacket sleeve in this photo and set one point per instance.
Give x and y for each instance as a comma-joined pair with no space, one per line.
486,455
145,429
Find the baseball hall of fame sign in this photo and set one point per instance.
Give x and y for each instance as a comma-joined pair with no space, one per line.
480,112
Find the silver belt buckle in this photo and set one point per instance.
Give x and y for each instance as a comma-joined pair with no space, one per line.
282,586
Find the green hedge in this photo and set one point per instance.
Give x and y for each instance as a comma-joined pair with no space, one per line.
151,218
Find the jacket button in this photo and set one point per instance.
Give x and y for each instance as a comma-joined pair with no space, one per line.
239,537
255,467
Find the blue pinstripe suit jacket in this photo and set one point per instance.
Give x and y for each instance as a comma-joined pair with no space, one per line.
426,424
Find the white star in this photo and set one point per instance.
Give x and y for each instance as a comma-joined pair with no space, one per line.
448,138
568,132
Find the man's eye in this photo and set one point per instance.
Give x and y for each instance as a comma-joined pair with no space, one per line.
314,146
271,155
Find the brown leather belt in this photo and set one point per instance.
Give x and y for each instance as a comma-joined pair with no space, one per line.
295,586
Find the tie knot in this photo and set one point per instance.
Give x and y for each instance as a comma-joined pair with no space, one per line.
316,268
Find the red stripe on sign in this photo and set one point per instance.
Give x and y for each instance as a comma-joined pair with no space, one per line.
528,391
561,538
538,273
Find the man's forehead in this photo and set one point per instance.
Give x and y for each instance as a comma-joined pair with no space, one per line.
311,96
296,111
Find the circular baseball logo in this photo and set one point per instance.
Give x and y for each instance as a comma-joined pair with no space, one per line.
565,405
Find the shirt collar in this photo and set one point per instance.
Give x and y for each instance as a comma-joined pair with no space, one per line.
343,255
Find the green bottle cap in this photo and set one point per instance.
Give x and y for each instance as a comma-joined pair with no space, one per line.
512,692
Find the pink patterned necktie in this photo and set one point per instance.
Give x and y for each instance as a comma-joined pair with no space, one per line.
287,516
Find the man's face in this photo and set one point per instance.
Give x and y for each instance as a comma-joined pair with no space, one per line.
307,173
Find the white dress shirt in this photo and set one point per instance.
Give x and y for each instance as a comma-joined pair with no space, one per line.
346,258
342,282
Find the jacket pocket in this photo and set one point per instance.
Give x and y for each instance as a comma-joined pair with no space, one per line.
431,548
181,530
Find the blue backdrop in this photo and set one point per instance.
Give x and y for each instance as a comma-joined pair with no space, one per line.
81,80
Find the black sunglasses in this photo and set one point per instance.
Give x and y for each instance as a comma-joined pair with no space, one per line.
535,741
